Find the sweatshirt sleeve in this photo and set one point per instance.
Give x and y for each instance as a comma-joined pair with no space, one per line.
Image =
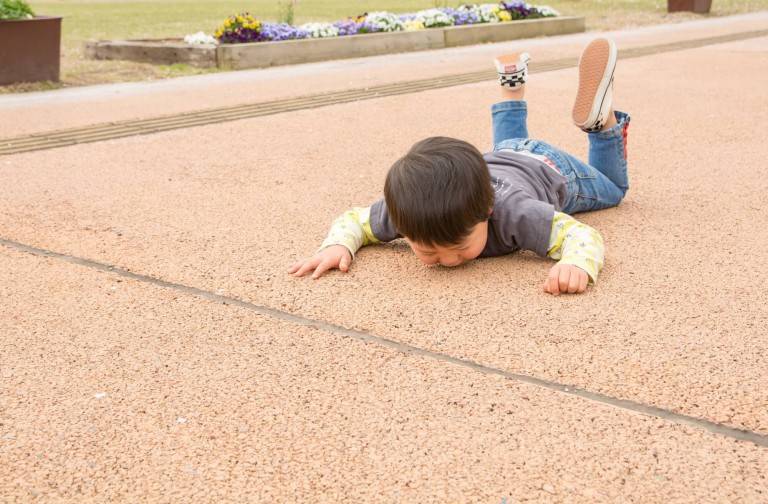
352,230
572,242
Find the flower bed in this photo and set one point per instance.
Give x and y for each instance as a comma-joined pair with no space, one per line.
289,52
353,40
244,28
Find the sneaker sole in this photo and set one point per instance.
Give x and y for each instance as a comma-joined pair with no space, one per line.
596,67
507,63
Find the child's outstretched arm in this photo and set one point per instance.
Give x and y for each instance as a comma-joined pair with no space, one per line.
580,251
350,231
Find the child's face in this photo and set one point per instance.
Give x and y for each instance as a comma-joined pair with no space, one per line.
454,255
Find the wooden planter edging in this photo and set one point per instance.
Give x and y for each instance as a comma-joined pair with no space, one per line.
161,52
30,50
289,52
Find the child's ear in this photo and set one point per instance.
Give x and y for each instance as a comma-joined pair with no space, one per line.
490,211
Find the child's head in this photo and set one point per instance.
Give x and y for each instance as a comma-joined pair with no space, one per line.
439,197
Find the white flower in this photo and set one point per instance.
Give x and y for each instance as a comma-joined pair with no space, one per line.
434,17
547,11
199,38
385,21
320,30
486,13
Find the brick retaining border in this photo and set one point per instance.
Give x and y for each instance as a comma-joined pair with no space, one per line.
290,52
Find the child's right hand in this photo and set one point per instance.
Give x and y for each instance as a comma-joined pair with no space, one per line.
335,256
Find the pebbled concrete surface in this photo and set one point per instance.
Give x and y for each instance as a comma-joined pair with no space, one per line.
676,322
68,108
114,390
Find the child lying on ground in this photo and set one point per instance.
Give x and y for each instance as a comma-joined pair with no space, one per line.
452,204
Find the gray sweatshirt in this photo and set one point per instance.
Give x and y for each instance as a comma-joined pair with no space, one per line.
528,192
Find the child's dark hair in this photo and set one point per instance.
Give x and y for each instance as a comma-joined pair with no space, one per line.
439,191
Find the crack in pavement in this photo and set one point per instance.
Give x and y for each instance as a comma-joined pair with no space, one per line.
625,404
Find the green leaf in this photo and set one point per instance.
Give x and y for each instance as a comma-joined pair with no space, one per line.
15,9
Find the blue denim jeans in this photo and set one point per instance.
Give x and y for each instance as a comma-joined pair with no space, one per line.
601,183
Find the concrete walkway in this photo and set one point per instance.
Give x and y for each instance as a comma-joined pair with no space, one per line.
153,349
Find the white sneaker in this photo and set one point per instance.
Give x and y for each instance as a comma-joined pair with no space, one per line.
595,95
512,69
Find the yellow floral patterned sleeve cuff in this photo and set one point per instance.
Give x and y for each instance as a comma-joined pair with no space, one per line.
352,230
572,242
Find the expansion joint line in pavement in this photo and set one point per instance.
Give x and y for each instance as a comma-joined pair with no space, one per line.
113,130
678,418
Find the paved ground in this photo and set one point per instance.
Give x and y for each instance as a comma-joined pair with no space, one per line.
153,348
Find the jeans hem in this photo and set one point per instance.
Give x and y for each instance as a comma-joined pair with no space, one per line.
617,131
509,105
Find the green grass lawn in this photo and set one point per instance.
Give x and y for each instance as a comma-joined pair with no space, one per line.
119,19
112,19
95,19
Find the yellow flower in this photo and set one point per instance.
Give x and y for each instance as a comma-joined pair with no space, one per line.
239,19
505,16
414,25
226,23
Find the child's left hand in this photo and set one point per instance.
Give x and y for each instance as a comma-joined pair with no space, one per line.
566,278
